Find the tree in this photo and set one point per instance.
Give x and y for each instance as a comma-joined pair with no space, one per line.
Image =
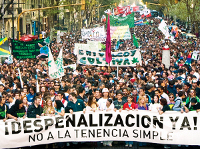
188,11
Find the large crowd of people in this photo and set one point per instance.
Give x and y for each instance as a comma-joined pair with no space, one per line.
150,86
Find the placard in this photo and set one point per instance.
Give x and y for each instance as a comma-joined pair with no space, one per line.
24,50
121,58
143,126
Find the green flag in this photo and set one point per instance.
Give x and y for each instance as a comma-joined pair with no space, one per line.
122,21
135,42
146,22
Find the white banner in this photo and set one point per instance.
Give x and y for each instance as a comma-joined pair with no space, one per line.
121,58
120,32
144,126
97,34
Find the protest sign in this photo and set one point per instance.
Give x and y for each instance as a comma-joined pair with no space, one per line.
24,50
144,126
121,58
80,46
122,21
91,45
120,32
96,34
94,45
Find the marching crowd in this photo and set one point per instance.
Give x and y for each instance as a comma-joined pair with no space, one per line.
150,86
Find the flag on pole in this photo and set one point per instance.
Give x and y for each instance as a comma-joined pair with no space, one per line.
165,30
135,42
122,21
108,42
59,64
51,65
20,77
188,60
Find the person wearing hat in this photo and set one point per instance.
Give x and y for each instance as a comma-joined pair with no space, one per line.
193,105
102,101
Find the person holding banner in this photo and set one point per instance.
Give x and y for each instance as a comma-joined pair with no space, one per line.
109,107
48,108
17,110
141,104
75,105
35,110
193,105
59,108
165,107
3,109
102,101
92,105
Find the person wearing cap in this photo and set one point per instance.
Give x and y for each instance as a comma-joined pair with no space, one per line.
193,105
102,101
194,83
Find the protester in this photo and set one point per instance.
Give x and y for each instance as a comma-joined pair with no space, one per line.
48,108
178,101
92,104
17,110
101,87
35,110
193,105
102,101
3,109
109,108
141,104
165,106
129,105
192,94
75,105
155,104
59,108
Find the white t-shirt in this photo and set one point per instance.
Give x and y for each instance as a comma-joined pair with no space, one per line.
102,103
164,95
153,107
12,103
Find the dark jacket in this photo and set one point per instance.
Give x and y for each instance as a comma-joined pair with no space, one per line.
33,111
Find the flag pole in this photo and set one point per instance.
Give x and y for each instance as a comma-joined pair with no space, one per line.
20,77
108,44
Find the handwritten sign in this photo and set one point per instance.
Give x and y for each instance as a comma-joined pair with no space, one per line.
24,50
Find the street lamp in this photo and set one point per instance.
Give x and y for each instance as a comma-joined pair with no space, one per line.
39,6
